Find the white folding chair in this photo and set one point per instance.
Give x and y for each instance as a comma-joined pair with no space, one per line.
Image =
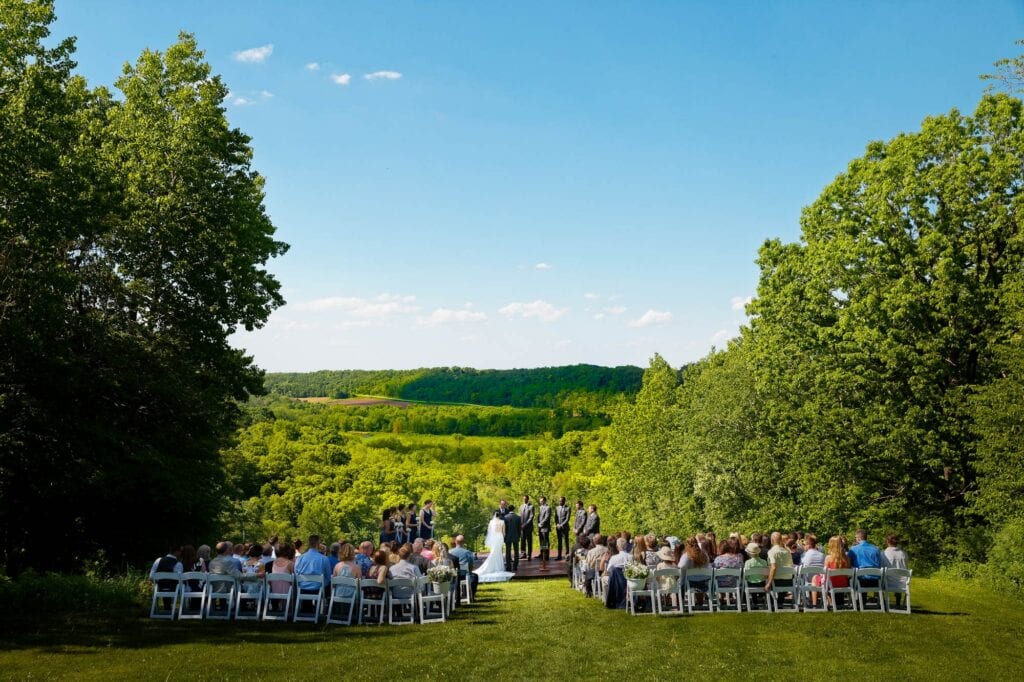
432,604
193,587
220,596
806,575
277,596
344,593
727,597
401,598
896,581
753,589
833,591
166,586
869,581
669,584
698,583
312,596
465,589
785,574
249,597
633,594
373,598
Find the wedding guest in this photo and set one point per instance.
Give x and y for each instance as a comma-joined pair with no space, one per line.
666,559
753,550
651,555
379,572
894,558
416,555
238,554
544,531
778,557
813,557
203,554
728,556
526,515
863,554
404,569
428,551
346,568
332,555
297,544
268,556
412,522
312,562
838,558
399,520
169,563
562,527
466,559
387,526
580,521
593,523
639,550
224,563
712,544
427,520
628,537
284,563
365,557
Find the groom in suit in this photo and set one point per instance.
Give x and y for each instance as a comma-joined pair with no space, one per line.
513,526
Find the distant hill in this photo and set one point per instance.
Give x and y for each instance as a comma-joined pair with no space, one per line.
540,387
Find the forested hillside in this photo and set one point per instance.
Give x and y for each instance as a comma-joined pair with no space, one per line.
542,387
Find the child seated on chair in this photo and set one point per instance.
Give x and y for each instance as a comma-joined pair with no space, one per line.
895,558
755,561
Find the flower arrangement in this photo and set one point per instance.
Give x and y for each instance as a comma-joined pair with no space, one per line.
636,571
441,574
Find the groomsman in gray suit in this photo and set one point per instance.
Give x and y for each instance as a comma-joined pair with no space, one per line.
526,539
581,519
544,531
562,526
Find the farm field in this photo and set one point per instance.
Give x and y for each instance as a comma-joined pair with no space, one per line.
531,629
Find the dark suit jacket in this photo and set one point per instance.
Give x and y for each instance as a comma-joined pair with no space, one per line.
544,517
513,526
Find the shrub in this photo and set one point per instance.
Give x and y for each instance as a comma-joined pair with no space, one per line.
1004,570
34,593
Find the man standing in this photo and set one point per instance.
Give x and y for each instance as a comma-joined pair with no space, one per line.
562,526
526,540
512,528
581,519
593,523
544,532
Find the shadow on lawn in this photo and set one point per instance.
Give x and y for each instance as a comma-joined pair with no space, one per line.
86,634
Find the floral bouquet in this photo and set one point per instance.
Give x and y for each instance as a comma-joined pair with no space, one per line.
441,574
636,571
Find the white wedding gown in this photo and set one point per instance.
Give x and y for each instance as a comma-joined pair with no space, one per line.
493,569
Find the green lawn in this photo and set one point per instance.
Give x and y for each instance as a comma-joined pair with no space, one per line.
541,629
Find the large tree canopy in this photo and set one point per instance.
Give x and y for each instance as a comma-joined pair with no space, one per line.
134,239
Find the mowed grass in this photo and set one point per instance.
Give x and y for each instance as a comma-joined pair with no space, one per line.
541,630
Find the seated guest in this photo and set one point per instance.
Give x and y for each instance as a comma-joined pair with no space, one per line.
203,554
416,557
712,550
239,553
621,558
284,563
863,554
728,556
894,558
628,537
753,550
838,558
169,563
666,559
597,551
268,556
224,563
694,557
651,556
778,557
639,549
404,569
312,562
332,555
379,572
813,557
297,544
347,567
428,550
611,551
254,566
466,559
364,557
441,557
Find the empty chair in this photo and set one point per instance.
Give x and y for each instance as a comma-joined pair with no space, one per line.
401,601
342,608
634,594
896,583
220,596
373,599
193,596
869,581
727,590
698,585
466,589
753,589
308,601
277,596
432,605
813,597
166,589
669,585
784,583
838,584
249,597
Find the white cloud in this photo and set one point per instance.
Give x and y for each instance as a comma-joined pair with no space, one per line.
385,75
266,94
449,316
722,335
740,302
615,310
591,297
652,317
541,310
312,66
341,78
542,266
600,316
254,55
384,305
240,101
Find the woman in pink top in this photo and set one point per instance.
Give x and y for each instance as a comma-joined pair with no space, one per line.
284,563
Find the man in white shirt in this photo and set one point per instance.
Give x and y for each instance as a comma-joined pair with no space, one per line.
404,570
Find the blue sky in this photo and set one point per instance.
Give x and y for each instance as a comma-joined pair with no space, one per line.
526,184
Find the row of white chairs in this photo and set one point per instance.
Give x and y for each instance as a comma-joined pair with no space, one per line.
278,596
707,590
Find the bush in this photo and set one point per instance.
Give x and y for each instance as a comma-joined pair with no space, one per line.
32,593
1004,570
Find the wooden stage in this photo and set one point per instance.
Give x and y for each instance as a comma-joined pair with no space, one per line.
530,570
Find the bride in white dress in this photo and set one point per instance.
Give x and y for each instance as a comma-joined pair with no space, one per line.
493,569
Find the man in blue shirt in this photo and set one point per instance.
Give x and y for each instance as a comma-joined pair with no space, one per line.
865,555
466,559
364,558
312,562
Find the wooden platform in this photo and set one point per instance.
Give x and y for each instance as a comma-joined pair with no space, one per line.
530,570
